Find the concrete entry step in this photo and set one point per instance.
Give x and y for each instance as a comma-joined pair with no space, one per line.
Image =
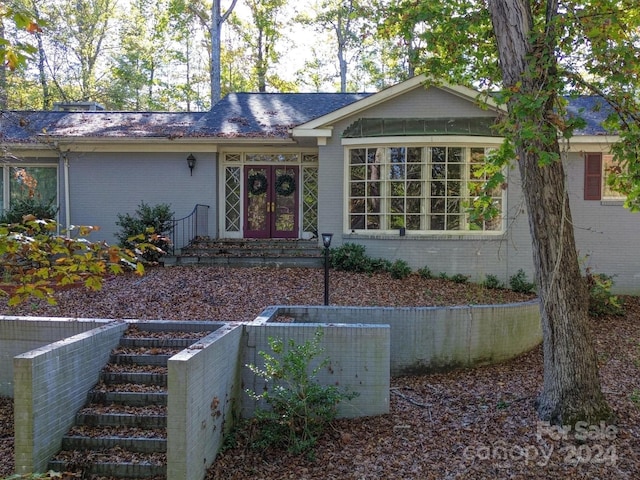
249,253
121,431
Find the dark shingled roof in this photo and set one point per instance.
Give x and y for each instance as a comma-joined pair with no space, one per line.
593,109
238,115
269,114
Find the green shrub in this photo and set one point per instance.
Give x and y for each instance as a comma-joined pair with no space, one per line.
491,282
519,283
425,272
399,269
29,206
350,257
459,278
379,265
601,300
300,408
153,223
443,276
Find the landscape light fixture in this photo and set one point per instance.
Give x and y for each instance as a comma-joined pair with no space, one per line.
326,241
191,162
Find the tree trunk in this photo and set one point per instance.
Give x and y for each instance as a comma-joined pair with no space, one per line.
571,388
217,19
4,100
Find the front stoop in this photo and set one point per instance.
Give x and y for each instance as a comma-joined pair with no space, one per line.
249,253
121,432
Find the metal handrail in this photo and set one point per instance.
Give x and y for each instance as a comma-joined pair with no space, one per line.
185,230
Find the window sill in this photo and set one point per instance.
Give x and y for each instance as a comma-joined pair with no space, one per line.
424,236
612,202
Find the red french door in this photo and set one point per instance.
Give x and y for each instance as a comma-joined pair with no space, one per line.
270,201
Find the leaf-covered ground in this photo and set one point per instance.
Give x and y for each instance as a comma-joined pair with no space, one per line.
470,424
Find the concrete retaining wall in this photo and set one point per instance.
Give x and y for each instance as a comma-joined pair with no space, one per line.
51,385
359,362
432,339
204,386
19,335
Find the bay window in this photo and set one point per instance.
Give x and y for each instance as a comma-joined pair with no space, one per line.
420,188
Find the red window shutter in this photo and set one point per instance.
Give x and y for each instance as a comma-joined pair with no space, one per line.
593,176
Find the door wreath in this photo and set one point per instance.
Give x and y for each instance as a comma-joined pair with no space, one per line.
285,185
257,183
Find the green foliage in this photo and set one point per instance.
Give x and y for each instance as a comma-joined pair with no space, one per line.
443,276
635,397
350,257
300,408
425,272
492,283
151,223
29,206
459,278
400,269
520,283
601,300
35,260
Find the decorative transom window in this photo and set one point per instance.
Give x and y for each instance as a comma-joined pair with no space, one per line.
420,188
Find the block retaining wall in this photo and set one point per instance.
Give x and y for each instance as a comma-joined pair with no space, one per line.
431,339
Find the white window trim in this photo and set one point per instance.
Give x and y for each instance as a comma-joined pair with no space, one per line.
384,142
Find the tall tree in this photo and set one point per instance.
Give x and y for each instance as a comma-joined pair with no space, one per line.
261,34
530,51
343,19
215,28
82,38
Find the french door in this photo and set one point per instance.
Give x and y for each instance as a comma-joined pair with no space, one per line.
271,201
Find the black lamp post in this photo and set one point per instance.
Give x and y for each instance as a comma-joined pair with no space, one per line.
326,241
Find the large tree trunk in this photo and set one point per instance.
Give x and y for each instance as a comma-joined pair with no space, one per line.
571,389
215,28
4,100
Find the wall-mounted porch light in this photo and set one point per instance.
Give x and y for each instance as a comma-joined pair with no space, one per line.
191,162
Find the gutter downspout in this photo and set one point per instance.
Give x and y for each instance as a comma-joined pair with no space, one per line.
67,207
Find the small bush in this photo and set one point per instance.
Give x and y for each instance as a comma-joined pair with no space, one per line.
399,269
379,265
443,276
153,223
601,300
492,283
29,206
425,272
300,408
520,283
350,257
459,278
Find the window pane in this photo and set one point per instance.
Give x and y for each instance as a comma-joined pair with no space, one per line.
357,189
414,189
39,183
413,205
358,172
357,206
357,156
397,205
373,222
397,189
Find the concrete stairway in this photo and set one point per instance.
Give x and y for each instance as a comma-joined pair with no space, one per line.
250,252
121,432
